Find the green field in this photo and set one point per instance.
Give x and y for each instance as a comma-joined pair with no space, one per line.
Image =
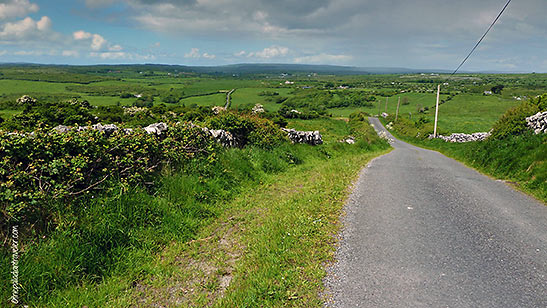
466,113
183,221
205,100
471,113
466,108
250,96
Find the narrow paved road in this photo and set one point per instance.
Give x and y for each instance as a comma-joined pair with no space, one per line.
228,98
423,230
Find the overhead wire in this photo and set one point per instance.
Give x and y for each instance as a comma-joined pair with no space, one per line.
483,36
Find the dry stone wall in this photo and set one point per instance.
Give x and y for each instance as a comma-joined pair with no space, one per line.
461,137
538,122
308,137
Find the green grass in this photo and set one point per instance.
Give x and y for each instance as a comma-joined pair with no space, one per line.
24,86
472,113
256,216
108,100
332,130
465,113
249,97
218,99
8,113
345,112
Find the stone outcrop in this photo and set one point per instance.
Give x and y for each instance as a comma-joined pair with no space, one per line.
107,129
223,137
538,122
461,137
62,129
258,108
307,137
25,99
348,140
218,109
156,128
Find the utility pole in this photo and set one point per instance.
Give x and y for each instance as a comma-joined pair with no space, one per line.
378,108
397,113
386,103
436,111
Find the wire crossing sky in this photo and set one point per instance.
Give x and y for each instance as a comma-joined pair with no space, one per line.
483,36
424,34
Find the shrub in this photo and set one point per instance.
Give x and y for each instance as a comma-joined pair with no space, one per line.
513,122
66,113
280,121
47,166
248,129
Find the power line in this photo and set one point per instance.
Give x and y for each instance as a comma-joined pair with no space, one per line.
483,36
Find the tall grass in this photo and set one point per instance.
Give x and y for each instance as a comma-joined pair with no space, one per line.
119,234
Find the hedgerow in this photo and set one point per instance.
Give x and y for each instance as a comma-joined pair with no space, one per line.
38,168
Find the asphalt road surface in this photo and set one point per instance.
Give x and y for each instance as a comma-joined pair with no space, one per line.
423,230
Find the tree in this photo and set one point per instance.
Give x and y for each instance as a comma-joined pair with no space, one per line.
497,89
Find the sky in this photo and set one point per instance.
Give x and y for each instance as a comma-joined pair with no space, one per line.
426,34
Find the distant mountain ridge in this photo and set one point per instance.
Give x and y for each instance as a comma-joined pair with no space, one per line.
255,68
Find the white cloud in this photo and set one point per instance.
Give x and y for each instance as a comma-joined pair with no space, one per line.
110,55
97,42
195,53
115,48
17,8
81,35
119,55
324,58
208,56
38,34
270,52
240,54
25,29
44,23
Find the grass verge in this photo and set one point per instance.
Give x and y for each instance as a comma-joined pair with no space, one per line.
254,229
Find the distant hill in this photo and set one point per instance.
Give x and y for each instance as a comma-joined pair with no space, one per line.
240,69
279,68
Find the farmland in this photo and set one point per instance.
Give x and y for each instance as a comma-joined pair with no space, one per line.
181,212
464,107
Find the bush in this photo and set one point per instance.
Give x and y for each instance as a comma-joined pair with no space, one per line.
47,166
248,129
280,121
513,122
52,114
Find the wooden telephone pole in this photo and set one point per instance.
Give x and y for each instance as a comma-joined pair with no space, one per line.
397,112
379,106
436,111
386,103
